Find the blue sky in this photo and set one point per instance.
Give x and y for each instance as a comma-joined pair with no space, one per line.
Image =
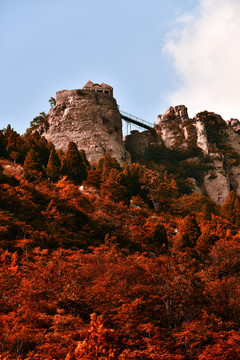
144,49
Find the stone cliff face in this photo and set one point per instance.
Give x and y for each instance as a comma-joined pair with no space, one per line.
176,129
206,144
217,141
90,119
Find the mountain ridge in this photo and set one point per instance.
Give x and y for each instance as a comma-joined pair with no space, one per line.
91,119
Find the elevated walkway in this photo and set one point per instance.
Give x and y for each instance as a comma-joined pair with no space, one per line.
136,121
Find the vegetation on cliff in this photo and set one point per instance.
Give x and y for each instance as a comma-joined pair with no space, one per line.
131,265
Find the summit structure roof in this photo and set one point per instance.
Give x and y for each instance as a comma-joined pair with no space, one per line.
101,88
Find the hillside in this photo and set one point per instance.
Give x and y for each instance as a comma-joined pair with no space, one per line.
101,260
204,149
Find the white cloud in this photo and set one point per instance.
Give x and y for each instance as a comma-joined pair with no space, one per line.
205,49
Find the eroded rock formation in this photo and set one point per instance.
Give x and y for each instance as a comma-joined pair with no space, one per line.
209,143
90,119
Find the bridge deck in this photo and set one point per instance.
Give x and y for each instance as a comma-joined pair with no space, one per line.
136,121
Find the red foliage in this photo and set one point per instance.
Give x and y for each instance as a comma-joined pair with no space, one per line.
161,279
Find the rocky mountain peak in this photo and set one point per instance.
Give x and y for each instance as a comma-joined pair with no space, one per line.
90,118
206,143
235,125
179,111
175,128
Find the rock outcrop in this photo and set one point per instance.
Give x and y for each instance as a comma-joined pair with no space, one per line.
138,142
219,143
206,144
176,129
90,119
216,181
235,125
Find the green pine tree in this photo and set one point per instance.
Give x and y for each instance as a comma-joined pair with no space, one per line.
52,102
32,168
41,119
53,166
73,165
39,144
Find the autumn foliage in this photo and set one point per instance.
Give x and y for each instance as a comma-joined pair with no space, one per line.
127,266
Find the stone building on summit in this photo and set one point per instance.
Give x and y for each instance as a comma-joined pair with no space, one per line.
91,119
99,88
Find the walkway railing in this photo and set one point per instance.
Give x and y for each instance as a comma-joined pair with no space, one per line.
135,120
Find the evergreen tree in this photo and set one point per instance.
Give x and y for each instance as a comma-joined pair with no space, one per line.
93,178
189,232
206,212
15,146
52,102
32,168
2,177
84,159
4,135
132,173
39,144
7,131
53,166
162,189
112,187
106,164
2,144
159,237
39,120
73,165
231,208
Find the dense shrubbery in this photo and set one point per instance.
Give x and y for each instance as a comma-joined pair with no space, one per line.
130,267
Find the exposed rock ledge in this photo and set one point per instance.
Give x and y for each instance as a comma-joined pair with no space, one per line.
92,120
89,119
218,140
